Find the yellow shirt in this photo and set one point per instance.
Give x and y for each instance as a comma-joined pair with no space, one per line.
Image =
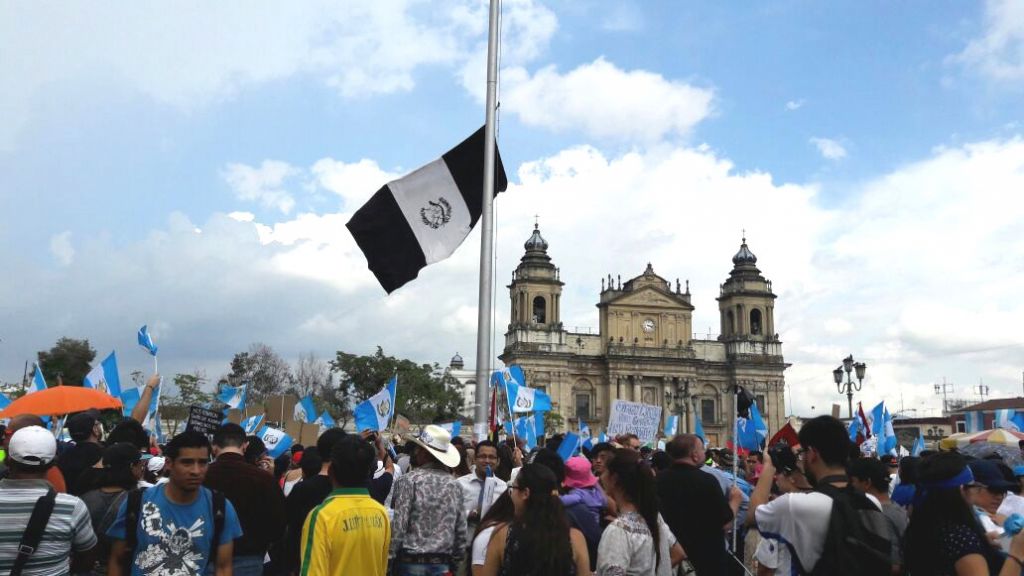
348,534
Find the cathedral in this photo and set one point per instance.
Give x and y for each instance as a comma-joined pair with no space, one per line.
645,349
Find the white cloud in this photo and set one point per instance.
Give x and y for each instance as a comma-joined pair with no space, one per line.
999,52
795,104
181,56
354,182
61,248
265,184
829,149
623,17
604,101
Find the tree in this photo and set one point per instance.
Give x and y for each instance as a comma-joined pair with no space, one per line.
70,358
554,423
174,409
266,372
312,376
425,392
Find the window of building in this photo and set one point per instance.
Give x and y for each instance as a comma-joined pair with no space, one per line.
583,406
961,426
730,323
755,321
759,399
539,310
707,411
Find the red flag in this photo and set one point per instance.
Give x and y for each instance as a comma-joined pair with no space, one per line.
865,424
787,434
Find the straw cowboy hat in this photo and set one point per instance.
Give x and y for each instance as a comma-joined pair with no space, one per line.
438,442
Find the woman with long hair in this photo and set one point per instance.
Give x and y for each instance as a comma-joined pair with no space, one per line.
944,537
122,469
538,541
637,541
499,514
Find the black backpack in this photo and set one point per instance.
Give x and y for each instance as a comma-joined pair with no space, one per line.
133,513
33,534
857,542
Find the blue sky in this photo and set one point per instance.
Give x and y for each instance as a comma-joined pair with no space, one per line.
193,169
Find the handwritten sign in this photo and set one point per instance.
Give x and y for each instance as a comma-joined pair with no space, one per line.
634,418
203,420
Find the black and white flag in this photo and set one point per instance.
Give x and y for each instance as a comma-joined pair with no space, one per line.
423,217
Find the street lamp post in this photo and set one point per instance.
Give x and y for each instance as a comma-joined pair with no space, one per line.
849,386
680,398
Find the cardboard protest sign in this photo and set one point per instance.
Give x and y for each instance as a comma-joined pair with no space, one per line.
634,418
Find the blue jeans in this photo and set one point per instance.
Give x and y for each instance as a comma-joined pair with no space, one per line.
241,566
403,569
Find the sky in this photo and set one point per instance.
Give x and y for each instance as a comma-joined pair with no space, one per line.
192,168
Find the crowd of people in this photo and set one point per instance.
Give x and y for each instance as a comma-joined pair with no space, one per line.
432,505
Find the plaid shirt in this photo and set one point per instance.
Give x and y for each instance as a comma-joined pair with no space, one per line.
429,517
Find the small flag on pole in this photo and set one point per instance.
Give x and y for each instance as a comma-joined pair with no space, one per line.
252,423
38,384
325,421
375,412
671,425
104,376
305,411
423,217
277,441
146,341
233,396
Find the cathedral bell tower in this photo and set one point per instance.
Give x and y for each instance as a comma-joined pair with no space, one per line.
746,301
536,289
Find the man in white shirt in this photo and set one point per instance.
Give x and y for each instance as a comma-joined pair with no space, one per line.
481,487
801,520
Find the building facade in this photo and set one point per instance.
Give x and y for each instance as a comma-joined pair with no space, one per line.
645,350
466,377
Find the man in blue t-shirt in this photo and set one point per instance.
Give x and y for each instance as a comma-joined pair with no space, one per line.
176,520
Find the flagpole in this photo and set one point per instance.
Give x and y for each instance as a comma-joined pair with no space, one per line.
484,328
736,456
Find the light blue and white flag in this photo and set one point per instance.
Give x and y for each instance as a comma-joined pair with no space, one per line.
671,426
4,401
526,430
38,383
1004,419
698,427
974,421
277,441
375,412
887,440
877,419
568,446
524,399
854,428
305,411
104,376
146,341
585,438
918,446
252,424
234,396
453,428
325,421
509,375
752,431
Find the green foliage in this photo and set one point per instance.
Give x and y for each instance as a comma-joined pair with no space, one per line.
553,423
425,392
70,358
267,373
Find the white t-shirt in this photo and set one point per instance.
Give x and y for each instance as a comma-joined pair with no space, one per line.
774,555
626,547
800,518
479,554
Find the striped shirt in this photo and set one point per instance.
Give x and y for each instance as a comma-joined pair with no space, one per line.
68,530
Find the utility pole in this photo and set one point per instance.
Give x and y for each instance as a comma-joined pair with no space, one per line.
982,390
944,389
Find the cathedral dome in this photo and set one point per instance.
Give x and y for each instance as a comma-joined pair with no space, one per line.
744,256
457,362
536,241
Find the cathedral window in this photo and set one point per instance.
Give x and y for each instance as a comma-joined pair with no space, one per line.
583,406
755,321
539,310
759,400
730,323
707,411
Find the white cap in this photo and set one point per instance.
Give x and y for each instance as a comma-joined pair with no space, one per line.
156,464
32,445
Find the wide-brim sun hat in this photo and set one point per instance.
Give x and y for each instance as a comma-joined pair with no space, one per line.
438,442
578,473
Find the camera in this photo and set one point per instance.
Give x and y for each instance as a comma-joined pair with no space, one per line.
782,457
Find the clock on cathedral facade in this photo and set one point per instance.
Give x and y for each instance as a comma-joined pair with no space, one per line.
645,349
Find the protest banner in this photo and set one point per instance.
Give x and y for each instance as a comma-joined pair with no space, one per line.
203,420
634,418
